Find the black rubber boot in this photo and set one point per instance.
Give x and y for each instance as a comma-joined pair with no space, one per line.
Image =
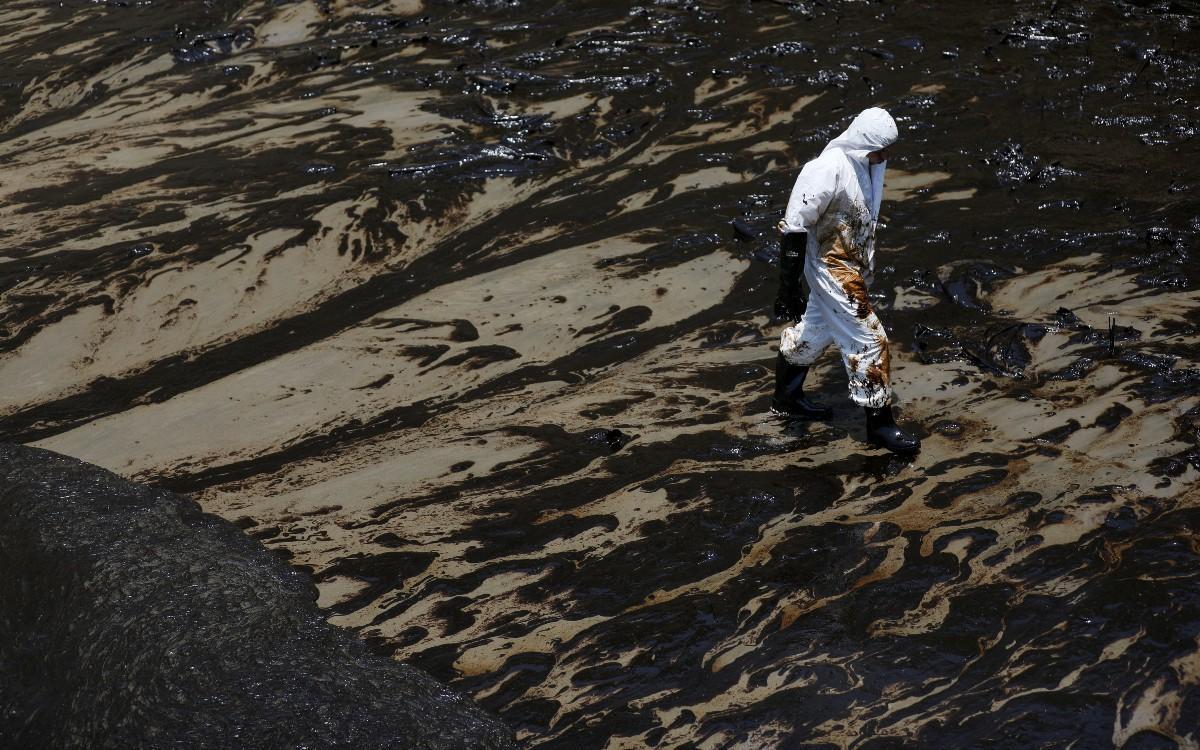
790,302
882,431
789,397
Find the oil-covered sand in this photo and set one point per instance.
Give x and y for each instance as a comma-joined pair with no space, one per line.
440,301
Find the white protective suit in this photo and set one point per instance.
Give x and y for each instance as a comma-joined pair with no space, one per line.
836,200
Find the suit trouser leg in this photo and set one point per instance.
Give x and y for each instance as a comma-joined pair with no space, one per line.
802,343
832,317
866,356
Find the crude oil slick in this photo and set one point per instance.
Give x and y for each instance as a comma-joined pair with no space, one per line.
440,301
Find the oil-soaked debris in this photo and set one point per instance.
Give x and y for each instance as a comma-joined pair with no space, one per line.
1014,166
207,47
318,168
1077,370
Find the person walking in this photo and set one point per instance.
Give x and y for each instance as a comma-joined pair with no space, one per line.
829,231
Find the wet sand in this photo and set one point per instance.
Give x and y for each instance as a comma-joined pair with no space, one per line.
441,303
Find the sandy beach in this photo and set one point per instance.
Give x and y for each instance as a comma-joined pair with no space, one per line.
440,302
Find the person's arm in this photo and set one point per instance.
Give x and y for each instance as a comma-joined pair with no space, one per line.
810,197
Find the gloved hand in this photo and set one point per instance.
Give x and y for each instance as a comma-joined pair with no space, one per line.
790,302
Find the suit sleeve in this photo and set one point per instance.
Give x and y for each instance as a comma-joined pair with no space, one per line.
811,194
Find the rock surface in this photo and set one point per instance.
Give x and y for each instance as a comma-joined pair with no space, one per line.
130,618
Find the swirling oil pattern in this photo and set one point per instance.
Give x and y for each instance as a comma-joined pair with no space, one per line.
440,300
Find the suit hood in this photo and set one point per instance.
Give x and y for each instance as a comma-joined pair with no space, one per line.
872,130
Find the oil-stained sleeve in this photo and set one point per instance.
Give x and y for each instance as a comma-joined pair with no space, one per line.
811,194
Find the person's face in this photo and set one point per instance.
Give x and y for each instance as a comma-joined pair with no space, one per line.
876,157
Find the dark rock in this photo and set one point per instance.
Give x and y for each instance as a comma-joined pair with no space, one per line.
130,618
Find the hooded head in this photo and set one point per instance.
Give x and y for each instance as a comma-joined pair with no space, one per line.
872,130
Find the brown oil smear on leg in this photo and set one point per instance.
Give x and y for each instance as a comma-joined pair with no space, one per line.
853,285
877,376
841,264
879,372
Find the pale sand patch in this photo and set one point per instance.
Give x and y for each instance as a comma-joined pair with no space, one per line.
1076,284
292,25
911,298
714,87
954,195
901,185
709,177
555,109
337,589
768,147
348,8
